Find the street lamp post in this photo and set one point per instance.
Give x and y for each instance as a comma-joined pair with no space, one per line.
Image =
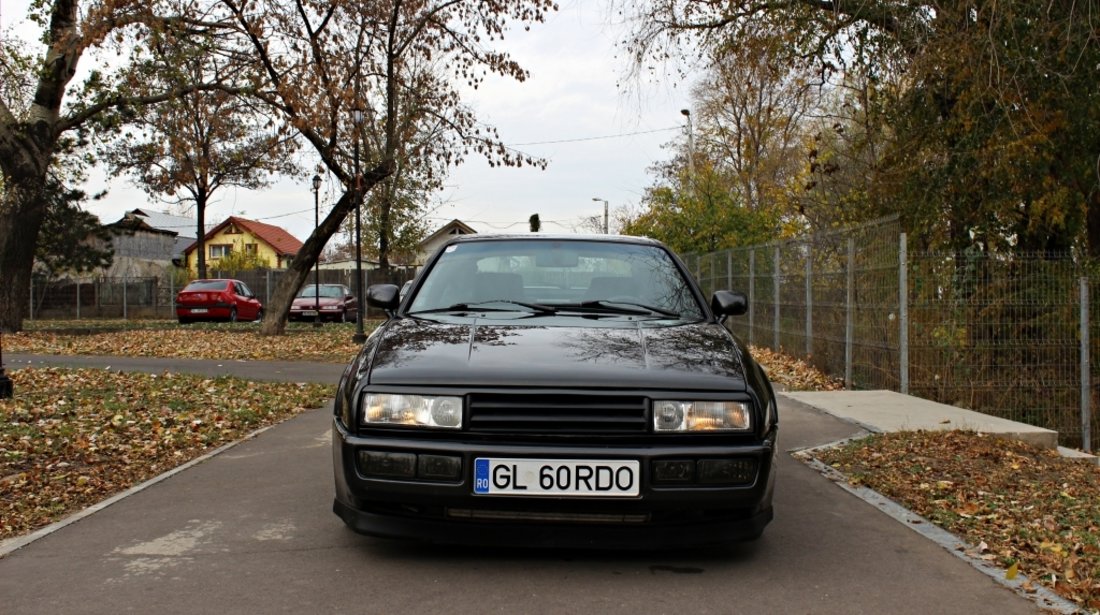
691,140
596,198
316,264
359,337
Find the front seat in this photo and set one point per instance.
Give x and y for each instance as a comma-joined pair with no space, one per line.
611,287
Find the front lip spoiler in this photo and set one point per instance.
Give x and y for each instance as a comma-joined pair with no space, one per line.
602,536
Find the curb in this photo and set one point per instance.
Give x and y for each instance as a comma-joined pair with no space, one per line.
1033,591
9,546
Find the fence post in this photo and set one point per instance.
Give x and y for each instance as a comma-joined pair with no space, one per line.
903,312
775,324
125,284
172,294
809,299
1086,397
713,274
752,296
32,299
78,298
848,320
267,287
729,269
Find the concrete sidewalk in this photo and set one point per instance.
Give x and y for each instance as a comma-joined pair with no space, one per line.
885,411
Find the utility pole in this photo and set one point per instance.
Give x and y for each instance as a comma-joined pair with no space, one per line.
596,198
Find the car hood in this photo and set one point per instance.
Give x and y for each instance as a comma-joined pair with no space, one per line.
696,356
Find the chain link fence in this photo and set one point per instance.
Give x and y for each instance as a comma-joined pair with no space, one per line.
154,297
1012,335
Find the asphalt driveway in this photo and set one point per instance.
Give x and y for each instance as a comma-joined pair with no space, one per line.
251,531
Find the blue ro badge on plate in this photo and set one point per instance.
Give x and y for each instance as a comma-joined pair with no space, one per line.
481,476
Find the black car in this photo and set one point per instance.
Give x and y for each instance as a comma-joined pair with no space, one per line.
555,391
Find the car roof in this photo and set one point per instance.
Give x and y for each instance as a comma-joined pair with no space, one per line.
598,238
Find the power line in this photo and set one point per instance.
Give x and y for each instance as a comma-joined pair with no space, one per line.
580,139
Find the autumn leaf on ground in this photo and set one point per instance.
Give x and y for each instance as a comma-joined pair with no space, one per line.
237,341
1028,509
73,437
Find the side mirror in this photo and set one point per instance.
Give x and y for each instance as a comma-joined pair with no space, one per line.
383,296
729,303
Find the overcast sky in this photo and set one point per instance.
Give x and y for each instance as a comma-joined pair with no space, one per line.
599,138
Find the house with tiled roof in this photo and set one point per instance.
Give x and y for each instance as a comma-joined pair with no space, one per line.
273,245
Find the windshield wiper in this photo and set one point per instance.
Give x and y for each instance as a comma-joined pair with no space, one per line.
629,308
479,306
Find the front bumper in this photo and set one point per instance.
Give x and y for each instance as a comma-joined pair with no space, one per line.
662,516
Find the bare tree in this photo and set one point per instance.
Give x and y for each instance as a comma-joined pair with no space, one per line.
183,151
33,129
393,66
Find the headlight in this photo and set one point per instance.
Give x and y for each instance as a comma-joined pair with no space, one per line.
681,416
413,410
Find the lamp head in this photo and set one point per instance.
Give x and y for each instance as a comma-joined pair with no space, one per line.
316,183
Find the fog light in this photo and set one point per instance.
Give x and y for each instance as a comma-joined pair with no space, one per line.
673,471
727,471
378,463
439,467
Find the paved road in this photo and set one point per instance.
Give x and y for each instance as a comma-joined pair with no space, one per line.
251,531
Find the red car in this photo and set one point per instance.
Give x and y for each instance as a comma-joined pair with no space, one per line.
333,302
217,300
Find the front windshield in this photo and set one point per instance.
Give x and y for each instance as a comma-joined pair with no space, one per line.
556,274
333,291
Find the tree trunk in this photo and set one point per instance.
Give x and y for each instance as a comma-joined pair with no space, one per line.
200,245
1092,221
20,220
26,147
200,241
384,235
275,313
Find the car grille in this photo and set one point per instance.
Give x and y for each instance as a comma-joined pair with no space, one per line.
557,414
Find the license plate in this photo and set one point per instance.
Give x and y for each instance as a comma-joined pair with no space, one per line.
309,313
198,310
598,478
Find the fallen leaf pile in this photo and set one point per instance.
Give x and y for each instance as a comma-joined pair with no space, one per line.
1027,509
239,341
71,438
792,373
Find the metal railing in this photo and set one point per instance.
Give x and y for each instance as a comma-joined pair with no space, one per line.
1011,335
